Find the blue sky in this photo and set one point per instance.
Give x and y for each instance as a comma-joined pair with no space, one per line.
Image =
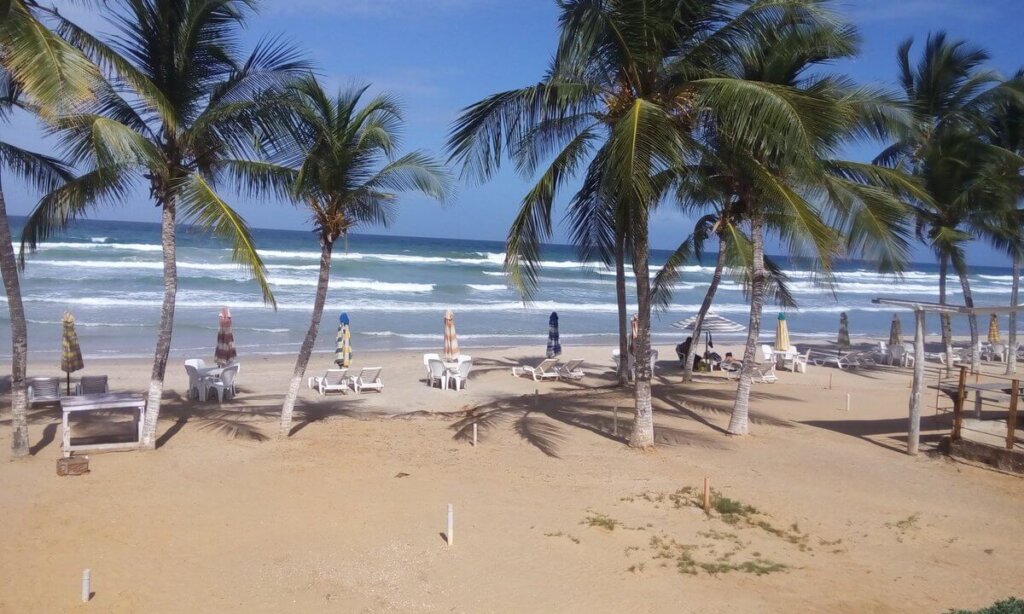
440,55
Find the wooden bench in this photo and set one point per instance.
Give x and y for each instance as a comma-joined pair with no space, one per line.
121,401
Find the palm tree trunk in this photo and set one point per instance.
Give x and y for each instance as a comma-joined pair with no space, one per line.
972,319
326,247
620,299
163,339
19,337
738,423
709,297
946,325
642,435
1011,335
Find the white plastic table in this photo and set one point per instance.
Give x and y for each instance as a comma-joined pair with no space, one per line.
123,401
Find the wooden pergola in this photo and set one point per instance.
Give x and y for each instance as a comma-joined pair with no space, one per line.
920,308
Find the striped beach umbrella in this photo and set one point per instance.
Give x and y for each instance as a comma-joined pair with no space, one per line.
71,354
896,332
225,353
993,329
634,330
843,341
554,347
343,343
781,333
713,323
451,340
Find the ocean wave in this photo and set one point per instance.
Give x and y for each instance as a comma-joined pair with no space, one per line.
98,239
487,287
135,247
356,284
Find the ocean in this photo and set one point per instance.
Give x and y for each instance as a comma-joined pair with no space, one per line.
396,289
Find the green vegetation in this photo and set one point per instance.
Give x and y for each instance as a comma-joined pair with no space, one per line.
1007,606
596,519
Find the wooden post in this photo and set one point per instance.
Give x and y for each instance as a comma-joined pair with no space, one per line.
1011,419
450,533
958,405
914,430
707,495
830,381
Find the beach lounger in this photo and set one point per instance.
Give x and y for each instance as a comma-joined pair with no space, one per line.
571,370
368,378
545,370
460,375
92,384
764,373
43,390
224,384
333,380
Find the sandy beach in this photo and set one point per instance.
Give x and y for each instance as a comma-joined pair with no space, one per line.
553,513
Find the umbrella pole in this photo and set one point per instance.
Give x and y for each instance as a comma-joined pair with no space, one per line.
68,373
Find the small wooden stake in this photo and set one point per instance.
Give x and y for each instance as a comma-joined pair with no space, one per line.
536,398
847,401
830,381
707,495
86,585
474,434
615,421
450,534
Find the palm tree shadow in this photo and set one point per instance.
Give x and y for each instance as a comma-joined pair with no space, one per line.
49,434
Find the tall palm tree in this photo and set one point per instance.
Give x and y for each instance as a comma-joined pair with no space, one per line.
182,107
346,174
42,74
949,91
629,83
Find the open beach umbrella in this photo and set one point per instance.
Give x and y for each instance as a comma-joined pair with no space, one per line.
993,329
451,340
554,347
713,323
781,333
71,356
343,347
843,341
225,352
896,332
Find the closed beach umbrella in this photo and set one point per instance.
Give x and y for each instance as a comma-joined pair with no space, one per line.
451,340
343,346
895,332
781,333
993,329
71,356
634,330
225,352
844,331
554,347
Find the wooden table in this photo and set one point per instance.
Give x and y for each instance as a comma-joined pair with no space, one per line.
121,401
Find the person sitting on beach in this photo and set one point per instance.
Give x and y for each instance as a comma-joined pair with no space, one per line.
683,350
729,363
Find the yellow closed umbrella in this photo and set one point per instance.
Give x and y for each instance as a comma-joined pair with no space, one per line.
782,334
71,354
993,329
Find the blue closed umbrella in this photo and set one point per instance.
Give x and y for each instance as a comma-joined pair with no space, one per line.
554,347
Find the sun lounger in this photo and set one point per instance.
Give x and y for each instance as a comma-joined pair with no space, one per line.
764,373
369,379
545,370
92,384
43,390
571,370
333,380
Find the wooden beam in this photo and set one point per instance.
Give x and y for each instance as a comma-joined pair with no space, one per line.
958,406
1011,418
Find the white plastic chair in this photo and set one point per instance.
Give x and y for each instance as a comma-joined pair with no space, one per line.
460,376
796,362
631,367
333,380
544,371
571,370
223,385
195,382
437,373
368,378
766,353
43,390
426,364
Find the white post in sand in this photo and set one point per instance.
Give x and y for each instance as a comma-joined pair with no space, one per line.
450,535
474,434
86,582
615,421
847,401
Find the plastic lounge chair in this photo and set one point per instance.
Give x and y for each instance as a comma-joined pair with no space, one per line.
545,370
764,373
438,374
460,376
369,378
223,385
571,370
92,384
333,380
43,390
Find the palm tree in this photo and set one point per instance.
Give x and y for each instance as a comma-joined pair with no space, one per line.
949,92
182,107
41,74
347,174
629,85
